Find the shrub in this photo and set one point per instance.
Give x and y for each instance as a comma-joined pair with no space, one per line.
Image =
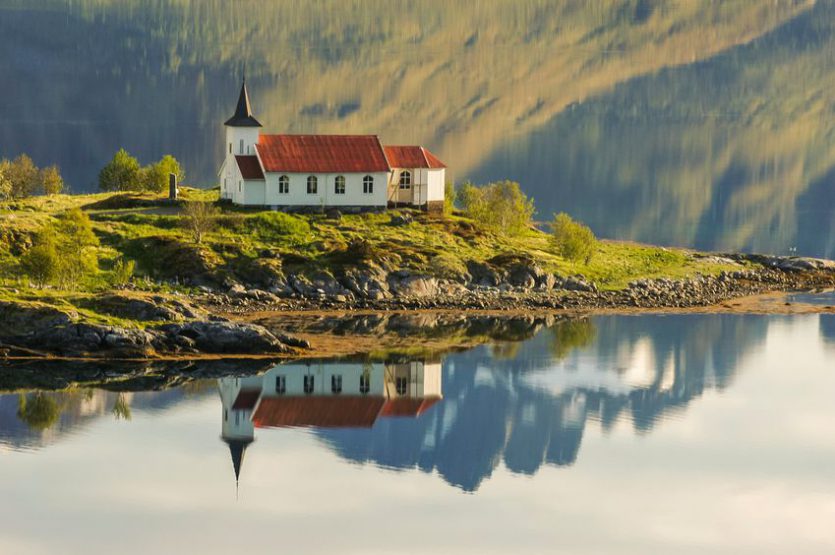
274,226
122,271
199,219
501,206
573,240
41,263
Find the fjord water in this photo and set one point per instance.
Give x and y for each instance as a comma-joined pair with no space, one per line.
707,125
627,434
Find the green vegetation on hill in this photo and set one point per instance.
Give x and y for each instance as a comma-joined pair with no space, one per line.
257,247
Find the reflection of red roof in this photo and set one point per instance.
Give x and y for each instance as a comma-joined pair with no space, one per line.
412,157
408,406
249,166
246,399
327,412
322,153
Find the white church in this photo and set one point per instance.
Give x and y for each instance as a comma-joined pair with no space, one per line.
350,172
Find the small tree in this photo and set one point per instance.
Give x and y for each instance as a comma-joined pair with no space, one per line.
5,180
51,181
501,206
449,197
199,219
573,240
24,177
120,174
76,244
154,177
42,263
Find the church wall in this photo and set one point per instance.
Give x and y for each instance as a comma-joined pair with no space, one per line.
325,195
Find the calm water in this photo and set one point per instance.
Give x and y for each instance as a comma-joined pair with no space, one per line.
694,126
649,434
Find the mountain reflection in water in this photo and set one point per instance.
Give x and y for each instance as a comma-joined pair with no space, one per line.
525,404
717,427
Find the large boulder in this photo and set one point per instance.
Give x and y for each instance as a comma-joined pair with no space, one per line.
226,337
405,284
367,282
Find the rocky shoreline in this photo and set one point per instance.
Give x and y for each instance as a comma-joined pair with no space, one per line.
520,285
190,326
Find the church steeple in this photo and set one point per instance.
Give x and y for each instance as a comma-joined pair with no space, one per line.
243,112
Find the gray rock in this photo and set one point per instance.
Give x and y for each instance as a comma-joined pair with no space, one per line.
414,286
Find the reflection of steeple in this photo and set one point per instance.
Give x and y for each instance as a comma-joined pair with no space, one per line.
237,448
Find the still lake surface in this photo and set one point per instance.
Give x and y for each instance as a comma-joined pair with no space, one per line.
627,434
683,123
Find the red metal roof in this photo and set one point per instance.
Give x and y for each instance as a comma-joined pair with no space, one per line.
249,166
326,412
408,406
246,399
412,157
322,153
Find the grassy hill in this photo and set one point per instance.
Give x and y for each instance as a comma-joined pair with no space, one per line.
257,248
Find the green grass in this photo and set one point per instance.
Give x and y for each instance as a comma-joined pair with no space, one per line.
258,246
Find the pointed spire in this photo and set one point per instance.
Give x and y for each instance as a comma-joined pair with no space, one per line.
237,448
243,112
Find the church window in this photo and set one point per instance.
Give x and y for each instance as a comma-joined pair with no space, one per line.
401,385
405,179
283,185
336,383
242,146
308,384
365,383
281,384
312,185
339,185
230,148
368,184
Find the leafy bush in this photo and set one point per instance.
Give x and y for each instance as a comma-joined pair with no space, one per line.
275,226
573,240
122,271
41,263
501,206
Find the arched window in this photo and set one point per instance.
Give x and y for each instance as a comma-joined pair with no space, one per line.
339,185
283,185
312,185
405,179
368,184
308,384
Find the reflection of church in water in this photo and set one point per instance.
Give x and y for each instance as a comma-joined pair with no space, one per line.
332,395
